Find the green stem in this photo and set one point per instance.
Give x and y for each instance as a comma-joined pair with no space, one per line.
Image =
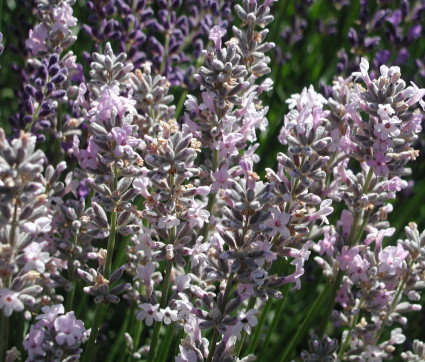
213,345
165,346
211,197
101,308
276,318
393,305
13,228
70,294
328,174
136,340
35,114
119,341
356,232
98,316
131,27
304,326
368,180
157,327
70,297
166,43
294,188
239,344
4,335
330,302
164,58
348,336
177,343
137,329
1,14
354,228
111,246
222,306
362,227
180,104
254,340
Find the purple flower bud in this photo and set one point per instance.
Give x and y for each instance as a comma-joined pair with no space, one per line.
86,28
57,94
54,69
352,37
109,27
29,107
42,72
58,78
45,123
30,90
50,87
54,59
39,96
371,43
39,83
27,120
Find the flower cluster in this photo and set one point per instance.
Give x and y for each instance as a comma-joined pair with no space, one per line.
56,336
170,41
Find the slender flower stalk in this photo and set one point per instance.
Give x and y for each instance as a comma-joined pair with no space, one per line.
101,308
157,326
346,341
4,333
216,335
352,240
239,344
212,196
317,305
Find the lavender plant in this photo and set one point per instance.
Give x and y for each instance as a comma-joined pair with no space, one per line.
131,232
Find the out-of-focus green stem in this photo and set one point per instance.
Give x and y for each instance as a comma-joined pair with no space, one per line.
137,333
157,327
303,328
239,344
164,351
368,180
180,104
70,294
346,342
254,340
330,302
211,197
4,335
117,354
356,232
393,304
276,318
166,43
111,246
101,308
98,316
1,14
165,285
